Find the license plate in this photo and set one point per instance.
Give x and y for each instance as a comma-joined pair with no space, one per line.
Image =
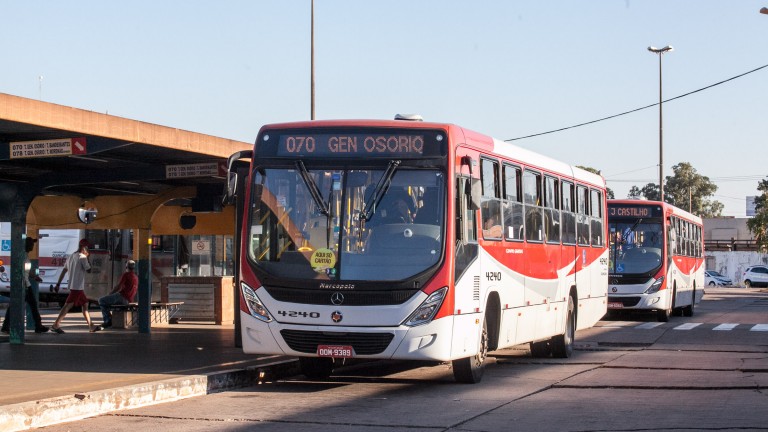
335,351
615,305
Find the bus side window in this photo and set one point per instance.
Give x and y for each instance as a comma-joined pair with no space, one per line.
671,238
552,210
582,219
532,198
490,209
596,217
512,203
568,214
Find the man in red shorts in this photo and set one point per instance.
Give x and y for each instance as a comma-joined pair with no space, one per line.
77,266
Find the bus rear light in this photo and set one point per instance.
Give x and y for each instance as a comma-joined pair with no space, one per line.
427,310
255,306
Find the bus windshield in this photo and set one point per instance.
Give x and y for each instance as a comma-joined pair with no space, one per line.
355,224
636,246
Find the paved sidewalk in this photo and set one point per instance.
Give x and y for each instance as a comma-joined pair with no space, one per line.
54,378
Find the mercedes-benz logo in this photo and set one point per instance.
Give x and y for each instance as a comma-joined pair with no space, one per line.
336,316
337,298
614,289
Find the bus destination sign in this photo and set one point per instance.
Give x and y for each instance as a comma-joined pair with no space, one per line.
634,211
353,145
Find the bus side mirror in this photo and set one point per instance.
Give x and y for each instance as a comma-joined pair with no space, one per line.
232,177
231,193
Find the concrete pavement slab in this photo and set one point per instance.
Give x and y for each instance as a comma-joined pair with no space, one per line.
667,379
54,378
704,360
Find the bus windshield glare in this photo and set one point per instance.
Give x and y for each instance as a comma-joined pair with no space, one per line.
356,224
636,246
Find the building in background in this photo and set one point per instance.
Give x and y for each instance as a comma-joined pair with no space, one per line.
730,247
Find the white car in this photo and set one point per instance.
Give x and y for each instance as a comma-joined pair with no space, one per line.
713,278
755,276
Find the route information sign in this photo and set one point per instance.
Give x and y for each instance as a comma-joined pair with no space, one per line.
48,148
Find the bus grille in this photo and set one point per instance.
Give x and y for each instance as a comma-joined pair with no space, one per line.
626,301
351,298
628,280
362,343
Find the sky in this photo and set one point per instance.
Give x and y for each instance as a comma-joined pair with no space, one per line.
504,68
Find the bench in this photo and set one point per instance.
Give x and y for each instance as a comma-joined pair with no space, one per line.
125,316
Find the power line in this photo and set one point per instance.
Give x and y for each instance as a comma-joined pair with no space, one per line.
747,178
638,109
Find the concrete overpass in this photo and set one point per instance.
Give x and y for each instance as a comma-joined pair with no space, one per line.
55,160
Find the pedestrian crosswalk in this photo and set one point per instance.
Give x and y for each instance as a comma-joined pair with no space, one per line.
684,326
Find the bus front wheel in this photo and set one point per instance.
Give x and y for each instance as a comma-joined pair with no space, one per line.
469,370
663,315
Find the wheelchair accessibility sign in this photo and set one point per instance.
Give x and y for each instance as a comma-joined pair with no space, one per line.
6,246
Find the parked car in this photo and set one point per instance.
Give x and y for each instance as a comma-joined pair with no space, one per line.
755,276
713,278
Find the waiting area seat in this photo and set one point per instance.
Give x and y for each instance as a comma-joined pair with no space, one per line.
126,316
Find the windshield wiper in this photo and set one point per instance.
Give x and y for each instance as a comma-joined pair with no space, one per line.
380,190
324,207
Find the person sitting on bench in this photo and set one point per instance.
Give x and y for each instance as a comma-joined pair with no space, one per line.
122,294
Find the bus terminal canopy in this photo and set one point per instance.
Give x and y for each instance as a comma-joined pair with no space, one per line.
54,150
56,160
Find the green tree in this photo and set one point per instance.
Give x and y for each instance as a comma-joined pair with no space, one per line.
759,223
608,191
634,192
690,191
686,189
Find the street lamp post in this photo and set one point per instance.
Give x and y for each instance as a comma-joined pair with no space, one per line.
312,66
660,52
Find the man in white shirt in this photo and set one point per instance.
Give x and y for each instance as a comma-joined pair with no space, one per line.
77,266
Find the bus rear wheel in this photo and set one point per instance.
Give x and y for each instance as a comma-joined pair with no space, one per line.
316,368
562,345
688,310
469,370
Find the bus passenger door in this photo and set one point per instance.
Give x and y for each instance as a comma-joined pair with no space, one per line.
467,266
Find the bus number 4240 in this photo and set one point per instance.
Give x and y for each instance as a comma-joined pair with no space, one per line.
493,276
295,314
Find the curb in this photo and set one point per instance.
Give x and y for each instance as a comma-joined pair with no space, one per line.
48,412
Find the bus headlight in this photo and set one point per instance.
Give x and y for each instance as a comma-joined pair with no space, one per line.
656,286
255,306
427,309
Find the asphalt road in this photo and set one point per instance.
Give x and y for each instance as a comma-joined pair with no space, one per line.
629,373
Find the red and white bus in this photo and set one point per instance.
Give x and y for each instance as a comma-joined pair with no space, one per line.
414,240
656,258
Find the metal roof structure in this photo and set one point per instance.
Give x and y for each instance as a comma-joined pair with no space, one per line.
61,150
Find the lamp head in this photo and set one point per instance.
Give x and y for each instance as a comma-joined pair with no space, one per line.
666,49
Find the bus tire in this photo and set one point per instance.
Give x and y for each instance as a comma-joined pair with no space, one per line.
688,310
316,368
541,349
663,315
469,370
562,345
